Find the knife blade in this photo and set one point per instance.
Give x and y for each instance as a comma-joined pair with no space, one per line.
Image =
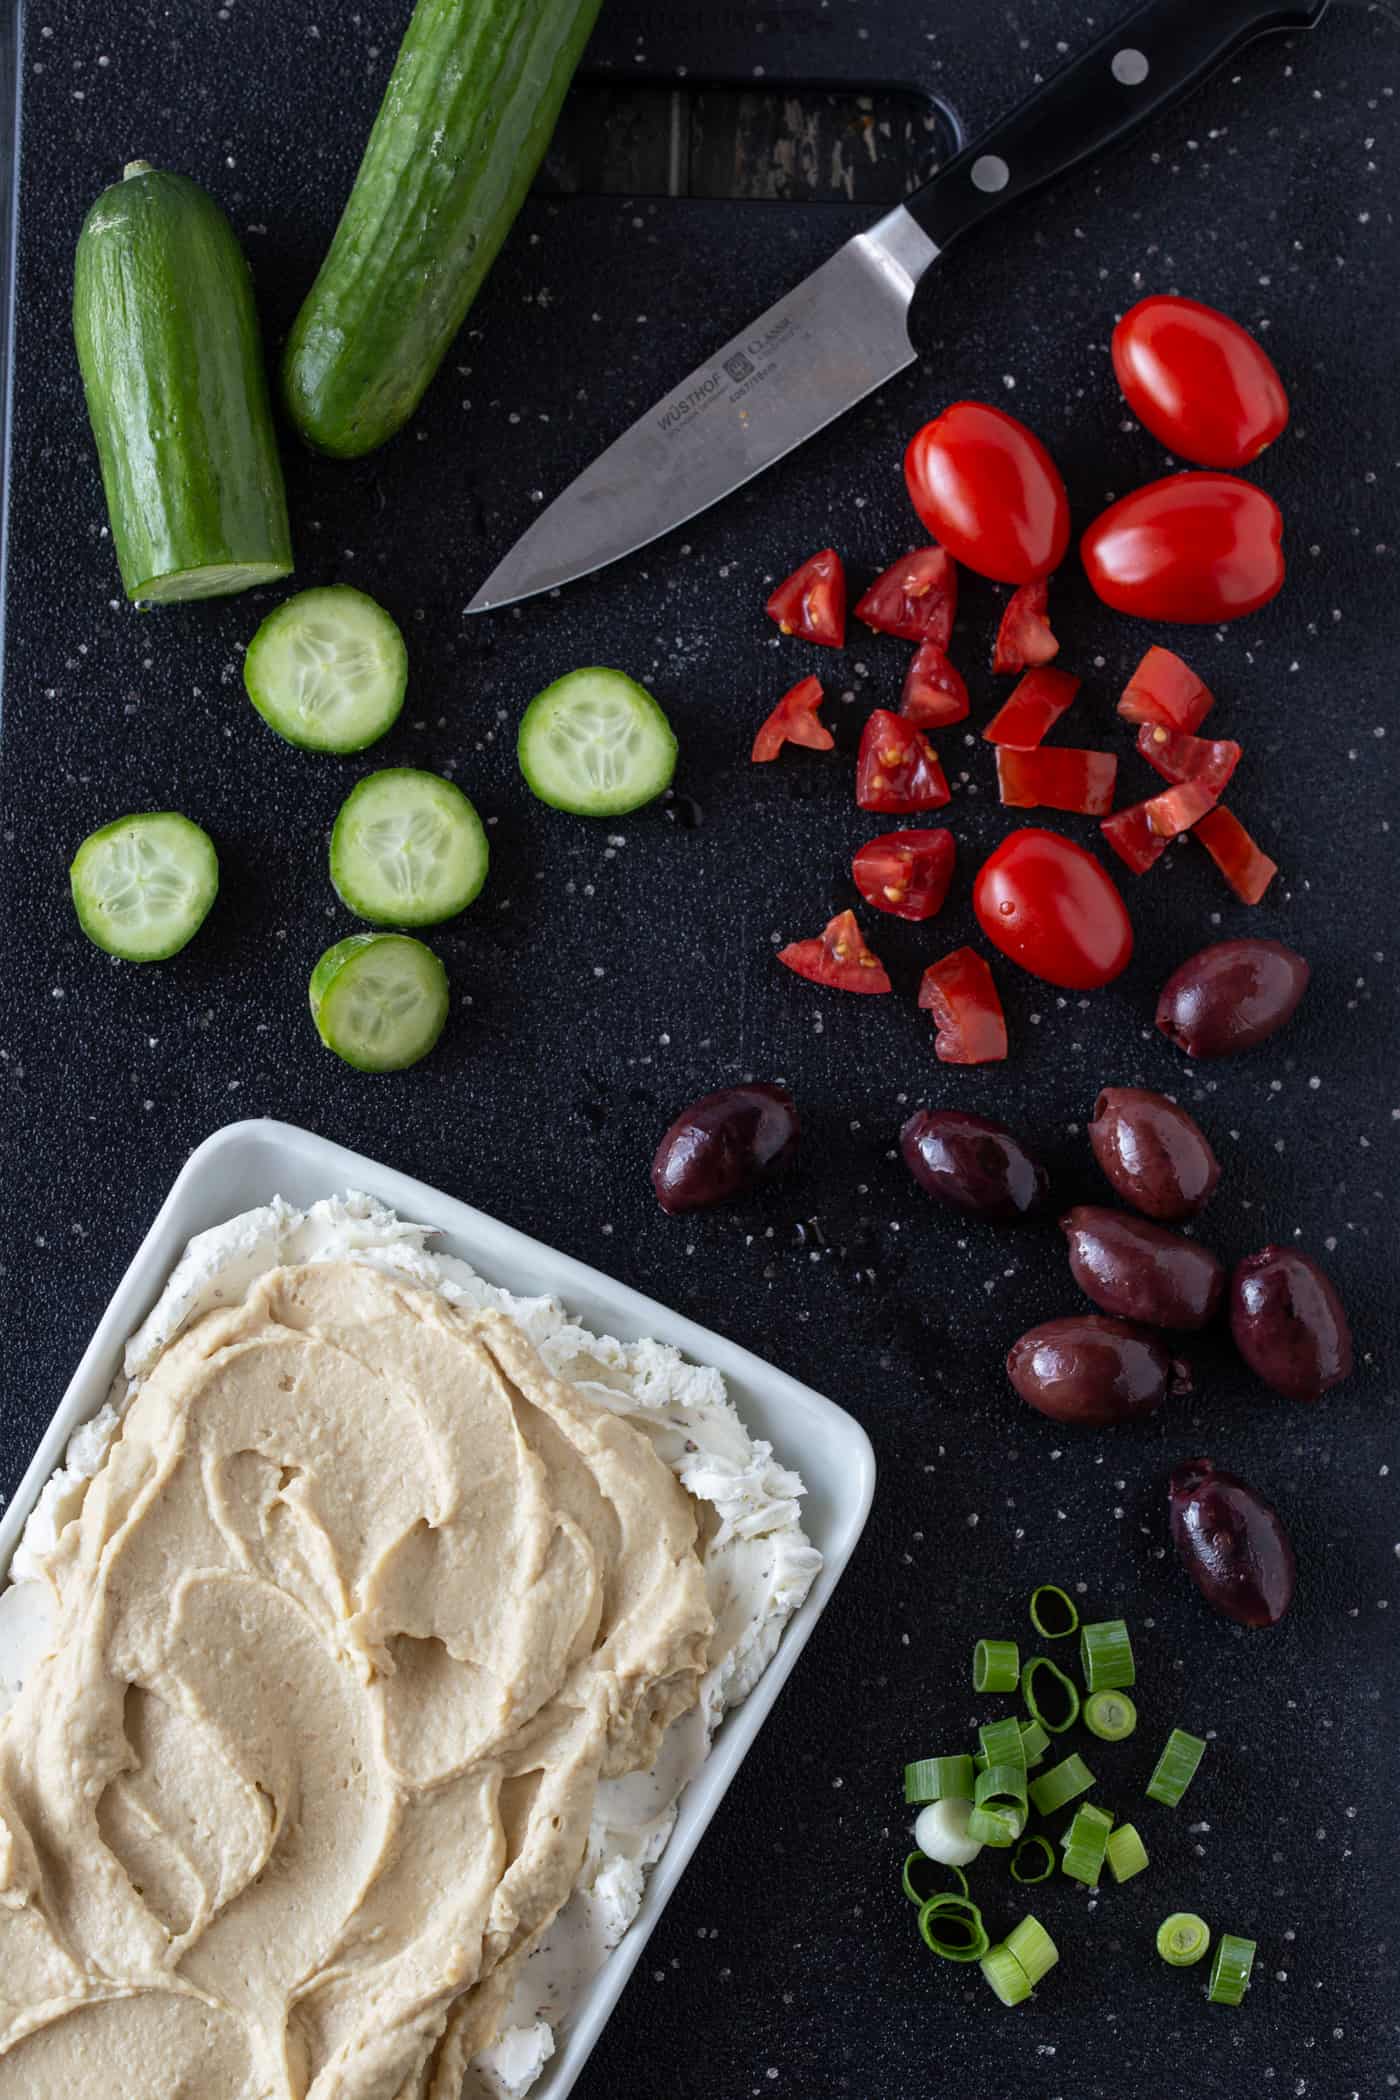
843,330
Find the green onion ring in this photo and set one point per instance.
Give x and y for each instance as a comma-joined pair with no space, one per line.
912,1865
1183,1938
1002,1743
1175,1768
1035,1843
999,1824
1106,1656
1086,1845
1127,1854
1071,1691
1110,1715
1005,1975
1054,1633
1060,1784
1230,1971
1033,1948
996,1665
962,1916
1002,1786
938,1779
1034,1741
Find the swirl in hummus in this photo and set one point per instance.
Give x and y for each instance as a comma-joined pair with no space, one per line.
362,1606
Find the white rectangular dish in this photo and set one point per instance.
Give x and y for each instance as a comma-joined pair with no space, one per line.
243,1166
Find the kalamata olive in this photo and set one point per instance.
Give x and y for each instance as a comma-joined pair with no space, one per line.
1289,1324
722,1144
972,1163
1091,1371
1156,1157
1231,997
1139,1271
1232,1544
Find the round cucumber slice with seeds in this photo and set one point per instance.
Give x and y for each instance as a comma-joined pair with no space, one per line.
379,1000
408,849
596,744
328,670
142,886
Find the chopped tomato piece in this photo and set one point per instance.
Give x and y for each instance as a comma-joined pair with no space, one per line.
812,601
915,598
960,994
897,770
1177,756
1245,866
934,690
906,873
1035,706
1024,638
1165,690
1053,777
839,958
1177,808
1133,839
794,721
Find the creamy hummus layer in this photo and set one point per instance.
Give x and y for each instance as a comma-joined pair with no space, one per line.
361,1627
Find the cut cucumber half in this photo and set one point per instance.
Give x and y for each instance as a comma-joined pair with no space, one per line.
408,849
327,670
379,1000
143,885
596,744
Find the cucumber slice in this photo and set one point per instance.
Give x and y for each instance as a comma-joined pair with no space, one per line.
327,670
595,743
142,886
408,849
379,1000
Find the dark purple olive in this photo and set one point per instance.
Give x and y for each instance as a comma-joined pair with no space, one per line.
1090,1371
1155,1156
972,1163
1232,1544
1140,1271
722,1144
1231,997
1289,1324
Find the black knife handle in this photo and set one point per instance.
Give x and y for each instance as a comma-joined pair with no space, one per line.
1095,101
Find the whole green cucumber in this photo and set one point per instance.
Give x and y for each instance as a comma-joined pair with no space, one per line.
470,106
177,393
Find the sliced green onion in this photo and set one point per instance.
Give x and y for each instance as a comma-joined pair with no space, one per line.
1106,1656
1033,1948
1175,1768
997,1825
1001,1742
1110,1715
996,1665
918,1868
1229,1972
1067,1686
1039,1847
1183,1938
951,1927
1060,1784
1127,1855
1001,1785
1035,1741
1005,1975
940,1832
938,1779
1086,1845
1062,1607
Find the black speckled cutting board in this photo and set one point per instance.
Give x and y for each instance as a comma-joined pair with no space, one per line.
610,973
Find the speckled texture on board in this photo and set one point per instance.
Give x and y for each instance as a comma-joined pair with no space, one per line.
610,972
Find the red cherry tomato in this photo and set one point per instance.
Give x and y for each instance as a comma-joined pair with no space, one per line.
960,994
838,957
1024,636
935,691
915,598
897,769
1198,381
1048,904
812,601
794,721
989,492
1199,548
906,873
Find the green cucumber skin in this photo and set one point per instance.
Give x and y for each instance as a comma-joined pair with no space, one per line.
468,113
172,364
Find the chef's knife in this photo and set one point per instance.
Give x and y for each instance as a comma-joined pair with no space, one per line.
842,332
